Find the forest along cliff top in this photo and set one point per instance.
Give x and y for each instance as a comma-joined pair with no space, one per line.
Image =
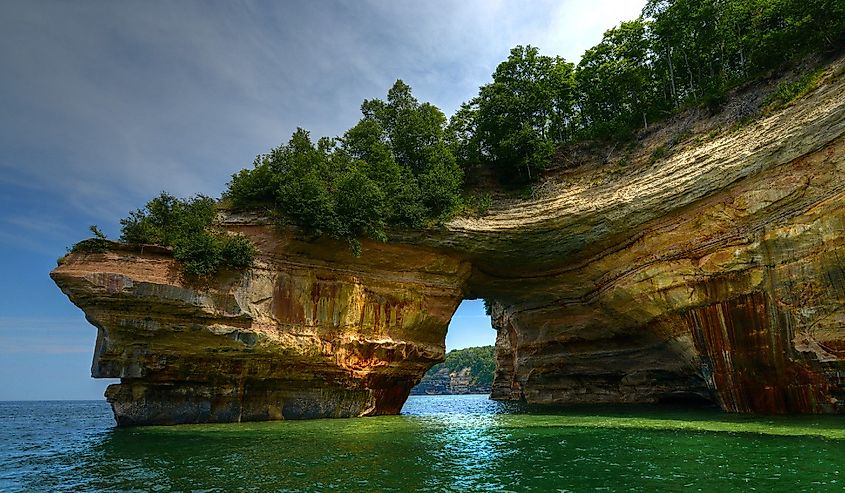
596,205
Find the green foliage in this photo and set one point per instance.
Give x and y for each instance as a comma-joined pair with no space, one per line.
96,232
360,205
464,138
679,53
98,244
91,245
408,152
787,92
521,115
186,225
237,252
395,167
478,203
480,360
614,83
659,153
702,48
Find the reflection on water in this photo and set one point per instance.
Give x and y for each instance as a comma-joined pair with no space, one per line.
443,443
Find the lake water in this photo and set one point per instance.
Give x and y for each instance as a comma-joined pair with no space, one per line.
439,443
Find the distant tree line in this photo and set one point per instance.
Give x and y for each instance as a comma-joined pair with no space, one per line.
480,360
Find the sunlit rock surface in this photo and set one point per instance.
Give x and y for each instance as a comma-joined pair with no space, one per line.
311,331
717,274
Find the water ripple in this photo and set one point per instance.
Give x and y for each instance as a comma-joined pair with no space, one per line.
448,443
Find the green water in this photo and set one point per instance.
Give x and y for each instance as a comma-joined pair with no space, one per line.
449,443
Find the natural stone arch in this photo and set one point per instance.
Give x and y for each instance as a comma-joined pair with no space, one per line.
716,273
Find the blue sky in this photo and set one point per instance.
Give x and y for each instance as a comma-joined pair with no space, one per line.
103,104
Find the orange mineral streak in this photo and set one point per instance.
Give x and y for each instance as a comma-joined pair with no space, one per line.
747,345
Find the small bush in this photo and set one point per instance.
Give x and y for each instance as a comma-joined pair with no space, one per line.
237,251
96,231
186,225
659,153
479,204
200,254
98,244
91,245
786,92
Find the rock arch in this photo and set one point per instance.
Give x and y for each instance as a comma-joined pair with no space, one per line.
717,273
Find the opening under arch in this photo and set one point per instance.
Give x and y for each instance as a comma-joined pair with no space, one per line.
470,355
470,327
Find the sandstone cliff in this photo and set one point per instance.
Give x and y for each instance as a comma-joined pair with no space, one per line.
310,331
445,382
714,274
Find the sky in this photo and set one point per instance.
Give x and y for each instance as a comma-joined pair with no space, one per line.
104,104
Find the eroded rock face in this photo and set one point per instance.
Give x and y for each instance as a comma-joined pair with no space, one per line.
738,298
310,332
723,280
716,274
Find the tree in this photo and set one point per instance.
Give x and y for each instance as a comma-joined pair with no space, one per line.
615,83
360,205
395,167
523,113
463,137
368,143
407,149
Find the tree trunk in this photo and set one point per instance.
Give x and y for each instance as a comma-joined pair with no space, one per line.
672,77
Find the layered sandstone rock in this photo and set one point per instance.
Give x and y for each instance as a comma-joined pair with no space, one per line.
311,331
716,274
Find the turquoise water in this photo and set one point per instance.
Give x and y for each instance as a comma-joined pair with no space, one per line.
440,443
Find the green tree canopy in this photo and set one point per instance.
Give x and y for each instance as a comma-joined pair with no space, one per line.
679,53
615,83
187,226
522,114
395,167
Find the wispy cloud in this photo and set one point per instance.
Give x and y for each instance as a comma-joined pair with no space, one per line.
28,243
37,224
